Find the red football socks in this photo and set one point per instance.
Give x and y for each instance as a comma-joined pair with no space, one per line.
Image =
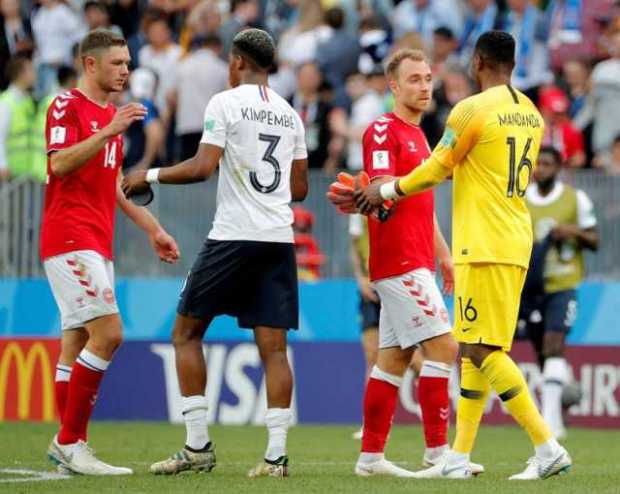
82,393
434,402
379,405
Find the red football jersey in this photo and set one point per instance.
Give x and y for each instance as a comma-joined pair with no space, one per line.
79,208
406,240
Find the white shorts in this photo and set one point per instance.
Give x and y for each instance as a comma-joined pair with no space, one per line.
83,285
412,309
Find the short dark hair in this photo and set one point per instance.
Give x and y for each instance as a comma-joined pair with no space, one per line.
334,18
444,32
96,4
616,140
15,67
65,74
256,46
98,40
557,156
236,3
497,49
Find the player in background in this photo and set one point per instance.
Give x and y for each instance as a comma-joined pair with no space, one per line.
84,145
564,224
370,305
488,146
401,267
247,266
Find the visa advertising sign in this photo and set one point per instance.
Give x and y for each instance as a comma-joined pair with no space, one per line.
141,383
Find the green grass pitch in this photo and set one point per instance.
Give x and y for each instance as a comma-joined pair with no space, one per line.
322,459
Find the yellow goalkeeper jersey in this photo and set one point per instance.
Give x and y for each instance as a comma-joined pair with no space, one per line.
491,143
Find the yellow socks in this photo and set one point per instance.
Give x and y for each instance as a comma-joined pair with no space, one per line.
508,382
474,393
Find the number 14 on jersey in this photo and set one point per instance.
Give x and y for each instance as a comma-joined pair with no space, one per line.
109,160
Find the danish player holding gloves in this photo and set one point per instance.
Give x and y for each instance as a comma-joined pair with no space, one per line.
402,252
84,144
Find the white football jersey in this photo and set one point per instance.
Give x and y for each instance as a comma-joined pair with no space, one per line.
261,135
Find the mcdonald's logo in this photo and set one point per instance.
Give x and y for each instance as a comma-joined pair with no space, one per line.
20,396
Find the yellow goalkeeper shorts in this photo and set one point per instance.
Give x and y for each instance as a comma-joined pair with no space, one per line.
486,303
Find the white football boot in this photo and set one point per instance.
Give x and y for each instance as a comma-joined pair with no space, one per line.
196,461
381,467
432,458
543,468
80,458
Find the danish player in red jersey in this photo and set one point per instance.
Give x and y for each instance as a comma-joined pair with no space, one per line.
85,152
402,264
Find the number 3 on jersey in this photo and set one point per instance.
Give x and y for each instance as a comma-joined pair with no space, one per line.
110,155
272,142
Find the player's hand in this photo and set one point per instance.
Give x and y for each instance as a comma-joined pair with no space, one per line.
340,193
447,275
367,291
564,232
368,198
134,183
165,246
124,117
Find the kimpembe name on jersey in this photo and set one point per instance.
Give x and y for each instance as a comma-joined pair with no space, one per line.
269,117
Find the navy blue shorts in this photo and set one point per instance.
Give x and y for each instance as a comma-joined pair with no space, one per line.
256,282
554,312
369,314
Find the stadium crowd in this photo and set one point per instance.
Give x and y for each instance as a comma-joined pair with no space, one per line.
330,57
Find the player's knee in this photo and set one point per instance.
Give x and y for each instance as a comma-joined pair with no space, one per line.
183,335
553,350
443,348
114,338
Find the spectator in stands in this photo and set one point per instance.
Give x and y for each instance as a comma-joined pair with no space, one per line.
17,114
314,112
138,39
161,55
338,55
560,133
523,20
574,28
365,110
97,16
375,43
577,73
15,35
444,51
454,87
56,29
299,44
483,16
307,251
200,75
144,138
243,13
611,161
126,14
204,20
425,16
606,99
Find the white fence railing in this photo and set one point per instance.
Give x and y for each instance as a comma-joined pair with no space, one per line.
187,212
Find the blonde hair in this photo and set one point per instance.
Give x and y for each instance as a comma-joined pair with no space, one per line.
393,63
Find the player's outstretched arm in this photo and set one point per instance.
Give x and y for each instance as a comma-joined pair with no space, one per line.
163,243
70,159
431,173
196,169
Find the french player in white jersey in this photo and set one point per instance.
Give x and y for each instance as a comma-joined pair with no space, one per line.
246,267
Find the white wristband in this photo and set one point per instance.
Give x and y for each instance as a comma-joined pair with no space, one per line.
152,176
388,190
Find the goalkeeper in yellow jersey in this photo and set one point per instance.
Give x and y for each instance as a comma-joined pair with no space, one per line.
489,146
